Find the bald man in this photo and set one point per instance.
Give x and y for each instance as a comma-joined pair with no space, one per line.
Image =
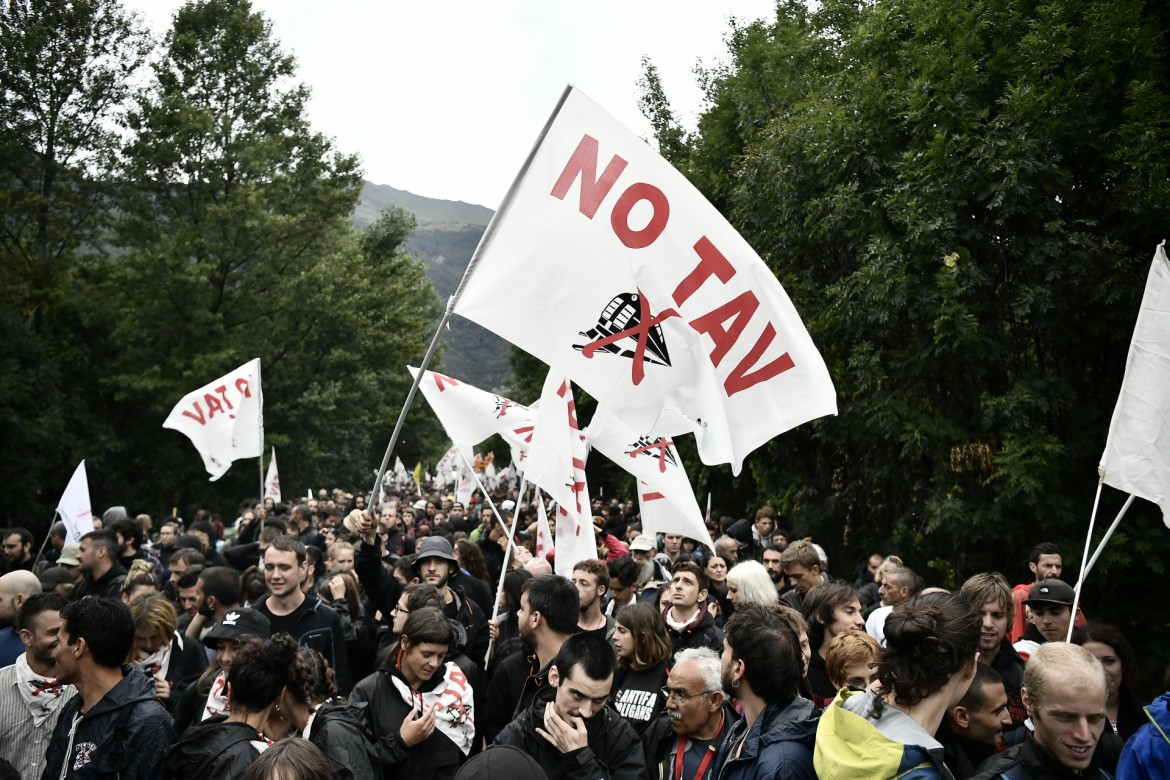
15,588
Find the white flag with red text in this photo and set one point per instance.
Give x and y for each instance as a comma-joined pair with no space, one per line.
1137,450
224,419
668,501
272,480
556,464
470,415
607,264
447,468
74,507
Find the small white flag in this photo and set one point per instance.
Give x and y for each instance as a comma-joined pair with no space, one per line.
544,537
668,501
74,507
272,480
556,464
224,419
1137,451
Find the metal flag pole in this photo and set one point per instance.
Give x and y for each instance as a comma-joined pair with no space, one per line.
1084,559
1108,534
504,569
260,388
472,264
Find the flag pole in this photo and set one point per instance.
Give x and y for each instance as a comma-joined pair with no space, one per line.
1085,557
504,569
472,264
260,385
48,533
491,503
1108,534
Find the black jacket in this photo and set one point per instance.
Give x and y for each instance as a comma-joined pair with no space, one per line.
188,660
614,751
108,585
699,633
129,725
435,758
340,731
517,682
212,750
1036,765
661,742
1011,668
318,627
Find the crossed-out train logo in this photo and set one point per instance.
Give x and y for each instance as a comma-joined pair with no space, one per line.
627,317
661,449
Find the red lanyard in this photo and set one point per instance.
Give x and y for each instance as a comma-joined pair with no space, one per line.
707,755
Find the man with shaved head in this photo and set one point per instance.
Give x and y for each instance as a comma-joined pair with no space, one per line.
15,588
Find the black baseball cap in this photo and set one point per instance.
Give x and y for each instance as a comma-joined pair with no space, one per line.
238,623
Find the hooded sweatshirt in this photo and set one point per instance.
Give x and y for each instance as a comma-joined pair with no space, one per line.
129,721
213,749
854,742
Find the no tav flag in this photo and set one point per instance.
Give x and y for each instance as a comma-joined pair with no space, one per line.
74,507
607,264
224,419
1137,451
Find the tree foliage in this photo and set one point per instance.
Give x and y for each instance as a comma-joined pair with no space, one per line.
228,237
962,201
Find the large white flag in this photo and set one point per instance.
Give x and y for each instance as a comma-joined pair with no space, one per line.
668,501
272,480
470,415
607,264
1137,452
224,419
74,507
556,464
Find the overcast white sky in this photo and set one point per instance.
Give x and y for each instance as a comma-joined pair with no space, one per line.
445,99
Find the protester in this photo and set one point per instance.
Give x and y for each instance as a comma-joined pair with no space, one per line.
830,609
591,577
926,668
991,598
898,586
31,698
761,669
170,660
435,564
1045,562
548,615
576,736
643,649
225,746
207,696
17,545
329,722
98,558
688,622
505,628
973,729
1147,755
1049,606
290,759
623,584
1064,691
125,728
16,587
851,660
804,570
681,744
289,611
419,708
1110,647
749,583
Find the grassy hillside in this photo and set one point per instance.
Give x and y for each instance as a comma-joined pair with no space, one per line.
448,232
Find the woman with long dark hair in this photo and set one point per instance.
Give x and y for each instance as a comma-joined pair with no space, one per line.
643,652
1109,645
225,746
420,708
929,661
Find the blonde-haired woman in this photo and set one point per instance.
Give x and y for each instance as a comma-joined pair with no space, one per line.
170,659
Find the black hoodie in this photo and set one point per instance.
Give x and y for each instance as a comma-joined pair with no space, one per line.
614,751
212,750
700,631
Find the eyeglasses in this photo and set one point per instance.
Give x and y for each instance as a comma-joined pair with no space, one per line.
403,610
682,697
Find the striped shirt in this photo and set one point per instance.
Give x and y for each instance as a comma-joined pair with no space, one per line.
21,743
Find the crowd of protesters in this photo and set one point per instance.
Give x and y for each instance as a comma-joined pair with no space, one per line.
330,639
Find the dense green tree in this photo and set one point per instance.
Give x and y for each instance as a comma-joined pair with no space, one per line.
65,72
236,243
962,201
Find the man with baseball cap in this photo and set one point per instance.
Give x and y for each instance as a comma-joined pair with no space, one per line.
435,564
207,696
1050,604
